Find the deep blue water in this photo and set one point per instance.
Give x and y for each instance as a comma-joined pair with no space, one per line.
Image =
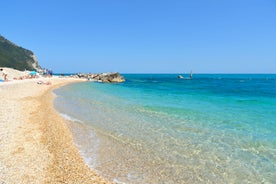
155,128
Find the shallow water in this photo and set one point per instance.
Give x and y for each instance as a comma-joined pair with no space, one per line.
160,129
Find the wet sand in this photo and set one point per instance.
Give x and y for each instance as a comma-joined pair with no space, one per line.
36,145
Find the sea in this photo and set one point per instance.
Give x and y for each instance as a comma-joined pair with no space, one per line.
156,128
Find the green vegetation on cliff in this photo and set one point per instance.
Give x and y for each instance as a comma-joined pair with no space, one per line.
16,57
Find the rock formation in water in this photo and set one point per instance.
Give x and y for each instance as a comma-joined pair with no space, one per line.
104,77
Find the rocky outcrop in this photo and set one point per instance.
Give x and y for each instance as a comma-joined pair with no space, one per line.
104,77
111,77
34,63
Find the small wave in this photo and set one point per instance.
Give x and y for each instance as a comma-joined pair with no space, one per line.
66,116
117,181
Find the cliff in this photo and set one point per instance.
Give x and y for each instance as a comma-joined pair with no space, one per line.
16,57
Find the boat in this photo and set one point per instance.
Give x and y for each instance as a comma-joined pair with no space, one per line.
186,78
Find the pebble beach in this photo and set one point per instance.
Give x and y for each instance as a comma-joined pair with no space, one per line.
36,145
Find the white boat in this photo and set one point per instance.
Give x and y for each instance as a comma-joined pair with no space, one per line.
186,78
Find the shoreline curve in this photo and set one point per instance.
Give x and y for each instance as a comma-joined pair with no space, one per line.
36,145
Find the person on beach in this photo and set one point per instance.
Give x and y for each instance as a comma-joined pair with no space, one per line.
46,83
4,74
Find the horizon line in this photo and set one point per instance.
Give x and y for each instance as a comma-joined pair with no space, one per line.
166,73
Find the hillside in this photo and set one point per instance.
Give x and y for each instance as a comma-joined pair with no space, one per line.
16,57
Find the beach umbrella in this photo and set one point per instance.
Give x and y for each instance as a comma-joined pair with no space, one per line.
33,73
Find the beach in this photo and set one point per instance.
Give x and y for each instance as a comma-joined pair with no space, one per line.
36,145
145,130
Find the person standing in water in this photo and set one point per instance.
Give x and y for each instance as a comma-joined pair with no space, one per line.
191,75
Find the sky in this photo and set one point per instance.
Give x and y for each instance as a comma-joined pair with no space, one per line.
145,36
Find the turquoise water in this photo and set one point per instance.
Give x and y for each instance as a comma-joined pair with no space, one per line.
160,129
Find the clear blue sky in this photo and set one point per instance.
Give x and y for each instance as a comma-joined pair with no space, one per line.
145,36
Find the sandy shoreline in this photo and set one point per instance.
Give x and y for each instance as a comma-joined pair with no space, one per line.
36,145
